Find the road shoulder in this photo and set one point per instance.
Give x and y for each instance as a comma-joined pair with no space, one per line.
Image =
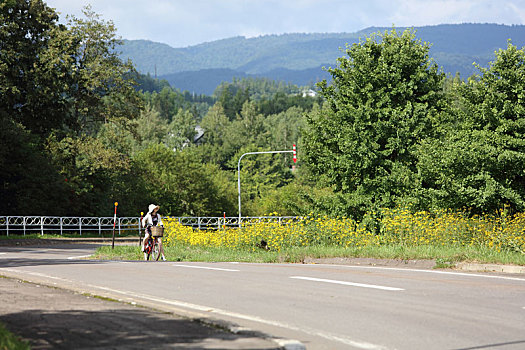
51,317
420,264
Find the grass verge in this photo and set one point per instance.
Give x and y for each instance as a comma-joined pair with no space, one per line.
9,341
444,256
68,235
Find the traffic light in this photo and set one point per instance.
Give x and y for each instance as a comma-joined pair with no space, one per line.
294,154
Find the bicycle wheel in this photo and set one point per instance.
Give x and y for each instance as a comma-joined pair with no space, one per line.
148,249
156,250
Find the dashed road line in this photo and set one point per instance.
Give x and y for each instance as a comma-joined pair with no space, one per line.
206,268
353,284
211,310
464,274
79,257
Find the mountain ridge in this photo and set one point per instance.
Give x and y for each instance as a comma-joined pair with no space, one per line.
298,56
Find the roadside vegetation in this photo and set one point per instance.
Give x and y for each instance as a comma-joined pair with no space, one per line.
9,341
445,236
395,158
443,256
33,236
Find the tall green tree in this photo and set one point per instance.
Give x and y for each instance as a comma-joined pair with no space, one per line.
102,87
479,163
32,80
180,183
167,102
58,85
151,129
384,96
90,170
181,130
29,183
215,125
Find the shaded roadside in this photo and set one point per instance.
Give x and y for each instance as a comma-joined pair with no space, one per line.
60,319
15,242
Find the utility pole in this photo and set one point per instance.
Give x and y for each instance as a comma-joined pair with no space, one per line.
239,172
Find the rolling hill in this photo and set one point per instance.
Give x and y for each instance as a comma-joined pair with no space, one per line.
299,58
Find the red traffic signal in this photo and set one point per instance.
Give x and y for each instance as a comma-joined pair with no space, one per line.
294,154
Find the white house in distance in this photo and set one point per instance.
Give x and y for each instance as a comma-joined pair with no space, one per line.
309,93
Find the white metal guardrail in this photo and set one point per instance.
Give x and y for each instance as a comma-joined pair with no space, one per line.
60,225
218,222
70,225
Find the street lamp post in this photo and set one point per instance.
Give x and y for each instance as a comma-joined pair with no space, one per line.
239,173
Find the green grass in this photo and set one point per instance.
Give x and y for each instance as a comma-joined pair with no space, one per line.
9,341
88,234
444,256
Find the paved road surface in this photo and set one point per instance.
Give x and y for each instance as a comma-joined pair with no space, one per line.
323,306
54,318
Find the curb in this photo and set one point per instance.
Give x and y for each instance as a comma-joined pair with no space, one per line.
513,269
420,264
285,344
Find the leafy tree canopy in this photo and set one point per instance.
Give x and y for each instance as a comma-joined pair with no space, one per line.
479,162
383,99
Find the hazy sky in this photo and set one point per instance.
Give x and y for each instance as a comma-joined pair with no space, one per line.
181,23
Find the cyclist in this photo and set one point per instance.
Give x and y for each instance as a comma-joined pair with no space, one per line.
152,218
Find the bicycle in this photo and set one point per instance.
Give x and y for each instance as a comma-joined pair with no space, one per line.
152,244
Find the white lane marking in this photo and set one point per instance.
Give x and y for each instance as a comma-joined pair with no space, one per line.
78,257
288,344
424,271
205,268
2,253
353,284
207,309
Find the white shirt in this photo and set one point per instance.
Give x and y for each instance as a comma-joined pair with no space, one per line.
148,219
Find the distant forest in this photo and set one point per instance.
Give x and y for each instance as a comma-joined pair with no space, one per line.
299,58
82,129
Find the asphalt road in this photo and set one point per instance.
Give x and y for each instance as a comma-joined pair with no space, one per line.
322,306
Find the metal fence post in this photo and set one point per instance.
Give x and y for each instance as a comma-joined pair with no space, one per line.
99,229
41,225
7,224
61,226
119,226
199,222
80,226
24,224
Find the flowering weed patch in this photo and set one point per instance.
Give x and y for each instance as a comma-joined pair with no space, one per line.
387,227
